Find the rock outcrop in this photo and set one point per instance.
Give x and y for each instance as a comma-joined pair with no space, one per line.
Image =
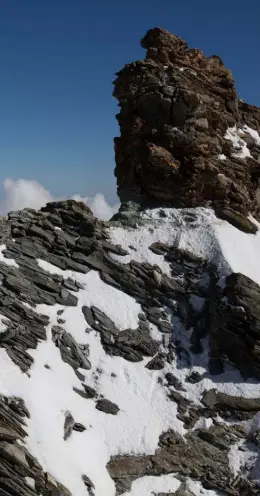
236,328
188,457
185,136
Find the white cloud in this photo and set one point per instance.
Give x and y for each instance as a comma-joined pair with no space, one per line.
100,207
25,193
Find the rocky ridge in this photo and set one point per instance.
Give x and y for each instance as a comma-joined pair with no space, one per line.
187,140
129,349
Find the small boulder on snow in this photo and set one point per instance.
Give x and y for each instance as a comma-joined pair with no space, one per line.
107,406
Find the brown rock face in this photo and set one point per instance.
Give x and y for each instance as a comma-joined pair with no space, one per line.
175,109
202,455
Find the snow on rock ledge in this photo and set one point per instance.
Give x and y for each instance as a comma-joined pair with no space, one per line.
196,230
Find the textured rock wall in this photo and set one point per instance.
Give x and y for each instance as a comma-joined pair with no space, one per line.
175,108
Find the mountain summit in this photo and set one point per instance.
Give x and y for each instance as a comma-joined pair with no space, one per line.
187,140
130,349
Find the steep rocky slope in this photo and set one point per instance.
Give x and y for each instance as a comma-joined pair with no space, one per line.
186,139
120,349
130,349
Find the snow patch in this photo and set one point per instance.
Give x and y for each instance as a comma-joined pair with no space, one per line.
197,231
196,488
192,230
203,423
239,249
241,458
121,308
149,486
7,261
30,482
232,134
3,321
254,134
137,241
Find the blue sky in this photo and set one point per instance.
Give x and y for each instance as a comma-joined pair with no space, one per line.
58,59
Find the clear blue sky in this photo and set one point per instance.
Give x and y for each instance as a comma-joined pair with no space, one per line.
57,63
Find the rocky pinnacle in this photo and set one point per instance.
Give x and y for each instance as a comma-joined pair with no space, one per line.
177,108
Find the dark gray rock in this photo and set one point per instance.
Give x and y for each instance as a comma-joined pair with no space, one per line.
214,399
157,363
80,392
132,345
194,377
139,341
69,424
237,219
78,427
89,485
66,298
79,257
173,381
107,406
89,391
71,352
103,320
78,267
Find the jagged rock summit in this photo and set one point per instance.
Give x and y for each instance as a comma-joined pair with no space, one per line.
186,139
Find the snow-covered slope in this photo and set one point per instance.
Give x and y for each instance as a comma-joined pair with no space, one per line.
197,230
72,434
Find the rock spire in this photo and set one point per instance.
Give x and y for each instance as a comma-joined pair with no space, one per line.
186,139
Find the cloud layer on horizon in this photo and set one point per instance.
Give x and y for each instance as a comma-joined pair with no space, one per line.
25,193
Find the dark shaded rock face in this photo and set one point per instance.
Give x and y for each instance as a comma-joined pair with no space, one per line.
236,330
176,106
